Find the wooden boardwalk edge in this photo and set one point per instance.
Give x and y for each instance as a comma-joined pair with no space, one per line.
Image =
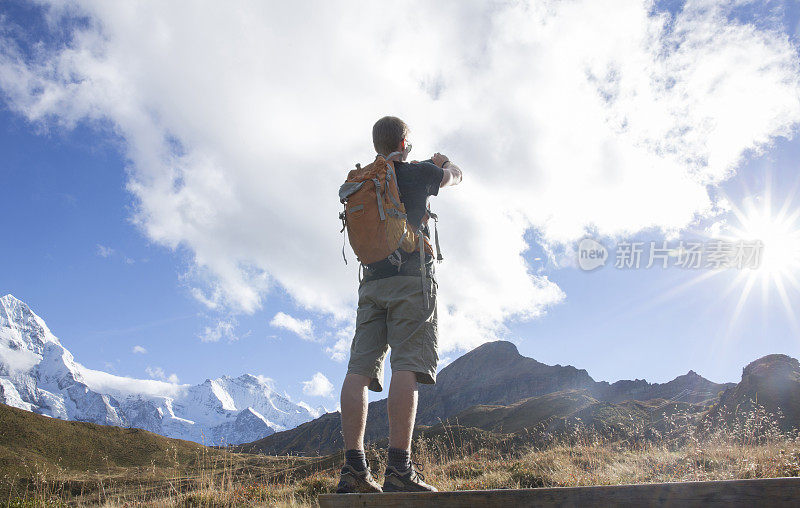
772,492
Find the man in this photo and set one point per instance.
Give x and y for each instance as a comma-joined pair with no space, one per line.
394,312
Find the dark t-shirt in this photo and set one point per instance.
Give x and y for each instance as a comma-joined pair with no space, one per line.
417,181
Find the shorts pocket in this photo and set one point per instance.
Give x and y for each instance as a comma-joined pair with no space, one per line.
428,299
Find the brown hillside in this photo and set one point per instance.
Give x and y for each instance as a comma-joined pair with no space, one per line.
30,442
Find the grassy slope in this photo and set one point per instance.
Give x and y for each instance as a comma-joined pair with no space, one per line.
53,459
456,458
30,442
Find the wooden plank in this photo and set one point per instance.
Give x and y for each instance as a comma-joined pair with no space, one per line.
772,492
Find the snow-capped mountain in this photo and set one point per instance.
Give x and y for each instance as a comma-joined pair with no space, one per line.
38,374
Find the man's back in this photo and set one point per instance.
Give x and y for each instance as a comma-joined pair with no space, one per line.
395,311
417,181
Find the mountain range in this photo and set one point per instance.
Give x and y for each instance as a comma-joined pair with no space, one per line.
495,388
490,391
37,373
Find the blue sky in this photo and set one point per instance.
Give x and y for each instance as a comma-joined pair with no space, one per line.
111,267
63,196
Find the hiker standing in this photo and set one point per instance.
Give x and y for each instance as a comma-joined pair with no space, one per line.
386,216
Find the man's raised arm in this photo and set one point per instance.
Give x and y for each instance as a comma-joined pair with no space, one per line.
452,173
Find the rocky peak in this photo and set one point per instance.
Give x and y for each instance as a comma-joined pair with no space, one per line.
692,378
498,350
252,382
486,356
30,331
772,382
772,365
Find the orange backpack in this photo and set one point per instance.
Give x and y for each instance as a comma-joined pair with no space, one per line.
375,218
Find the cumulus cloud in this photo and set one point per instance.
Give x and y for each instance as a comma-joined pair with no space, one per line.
158,373
567,117
139,349
302,328
223,329
318,386
339,350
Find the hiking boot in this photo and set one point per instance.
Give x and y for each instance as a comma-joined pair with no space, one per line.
406,481
352,481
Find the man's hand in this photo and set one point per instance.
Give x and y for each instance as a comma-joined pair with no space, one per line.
439,159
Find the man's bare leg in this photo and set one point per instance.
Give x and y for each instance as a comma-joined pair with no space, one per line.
400,475
402,408
354,410
355,476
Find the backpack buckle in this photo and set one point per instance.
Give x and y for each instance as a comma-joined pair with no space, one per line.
396,259
343,218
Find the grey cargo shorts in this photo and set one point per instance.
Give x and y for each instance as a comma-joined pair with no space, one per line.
392,313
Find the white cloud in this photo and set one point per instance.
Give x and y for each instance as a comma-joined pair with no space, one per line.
318,386
302,328
444,362
266,380
338,352
563,115
341,348
16,359
198,295
223,329
104,382
158,373
104,251
139,349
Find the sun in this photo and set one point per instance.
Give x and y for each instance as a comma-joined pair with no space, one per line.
778,234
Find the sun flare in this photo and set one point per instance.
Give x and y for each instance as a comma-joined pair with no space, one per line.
778,233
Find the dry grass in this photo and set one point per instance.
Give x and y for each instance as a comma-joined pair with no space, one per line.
688,448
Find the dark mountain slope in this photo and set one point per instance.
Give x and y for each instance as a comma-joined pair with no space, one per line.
771,382
491,374
494,373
